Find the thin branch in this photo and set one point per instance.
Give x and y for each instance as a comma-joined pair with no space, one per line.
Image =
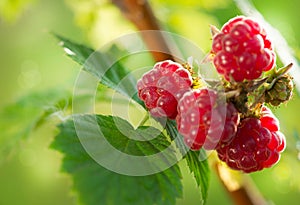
241,189
141,15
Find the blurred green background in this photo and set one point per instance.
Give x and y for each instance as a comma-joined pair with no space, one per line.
31,60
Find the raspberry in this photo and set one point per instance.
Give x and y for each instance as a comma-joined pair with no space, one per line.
204,121
163,86
231,124
257,144
242,50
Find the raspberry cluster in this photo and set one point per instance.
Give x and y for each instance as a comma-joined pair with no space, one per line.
229,116
242,50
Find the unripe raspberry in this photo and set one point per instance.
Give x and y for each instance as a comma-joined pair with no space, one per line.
204,120
257,144
163,86
281,91
242,50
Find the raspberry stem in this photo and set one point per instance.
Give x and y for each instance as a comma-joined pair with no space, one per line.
240,188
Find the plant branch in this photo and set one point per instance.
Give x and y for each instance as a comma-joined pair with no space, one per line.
241,189
141,15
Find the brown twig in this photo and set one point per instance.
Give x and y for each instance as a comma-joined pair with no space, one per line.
240,188
141,15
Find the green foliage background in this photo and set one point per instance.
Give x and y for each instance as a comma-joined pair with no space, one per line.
31,60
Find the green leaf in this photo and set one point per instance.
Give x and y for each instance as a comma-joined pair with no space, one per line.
98,185
196,160
19,119
198,165
105,66
77,52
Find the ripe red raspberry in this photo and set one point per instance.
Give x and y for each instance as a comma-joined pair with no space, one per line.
205,121
231,125
242,50
257,144
163,86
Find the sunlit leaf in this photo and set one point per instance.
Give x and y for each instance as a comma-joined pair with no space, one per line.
200,170
196,161
103,66
97,185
